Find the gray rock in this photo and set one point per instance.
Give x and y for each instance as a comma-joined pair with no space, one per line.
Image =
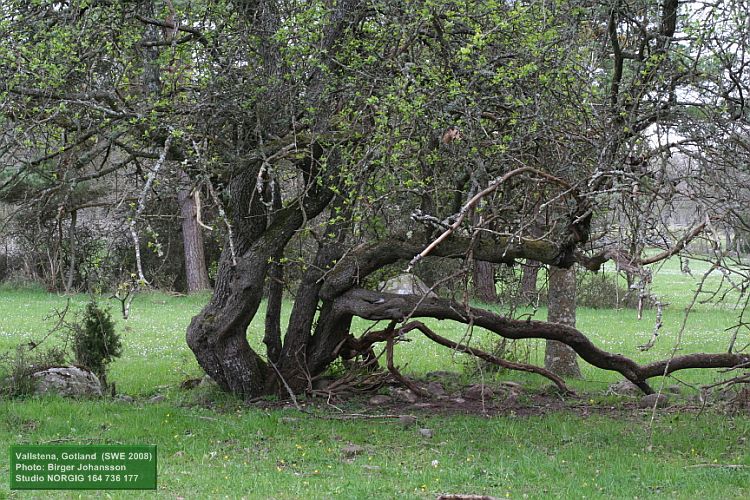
125,398
380,399
478,391
404,395
405,284
624,388
191,383
427,433
69,381
407,420
648,401
458,400
156,399
435,389
673,389
207,381
352,450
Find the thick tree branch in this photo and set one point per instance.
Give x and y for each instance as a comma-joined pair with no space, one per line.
379,306
466,209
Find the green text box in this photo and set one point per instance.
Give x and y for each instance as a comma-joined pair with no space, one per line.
83,467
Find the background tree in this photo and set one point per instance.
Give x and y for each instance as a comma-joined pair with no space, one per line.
558,357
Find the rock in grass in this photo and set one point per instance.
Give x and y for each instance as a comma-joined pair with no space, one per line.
380,399
157,399
404,395
478,391
69,381
435,389
649,400
407,420
624,388
426,433
352,450
190,383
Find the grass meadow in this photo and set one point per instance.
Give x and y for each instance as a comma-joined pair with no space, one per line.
233,450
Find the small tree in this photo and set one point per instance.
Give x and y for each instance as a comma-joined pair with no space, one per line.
95,342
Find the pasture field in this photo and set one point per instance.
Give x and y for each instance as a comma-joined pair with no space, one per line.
213,446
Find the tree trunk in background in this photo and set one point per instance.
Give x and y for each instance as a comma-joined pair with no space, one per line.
272,336
71,252
192,238
529,277
558,357
484,281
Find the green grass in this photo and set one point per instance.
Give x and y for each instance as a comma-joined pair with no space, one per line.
234,450
245,451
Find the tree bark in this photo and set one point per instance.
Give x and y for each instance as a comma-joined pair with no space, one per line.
72,250
530,272
558,357
217,336
192,238
272,336
294,361
484,281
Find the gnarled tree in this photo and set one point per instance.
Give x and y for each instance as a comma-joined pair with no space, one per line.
323,120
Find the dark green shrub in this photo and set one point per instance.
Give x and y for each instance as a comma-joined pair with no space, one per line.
17,368
95,341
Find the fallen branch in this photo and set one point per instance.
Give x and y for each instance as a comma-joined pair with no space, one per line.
355,416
